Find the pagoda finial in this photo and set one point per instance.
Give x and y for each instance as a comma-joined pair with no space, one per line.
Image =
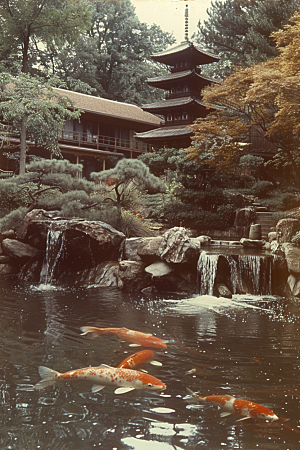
186,27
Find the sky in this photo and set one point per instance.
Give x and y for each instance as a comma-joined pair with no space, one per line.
169,14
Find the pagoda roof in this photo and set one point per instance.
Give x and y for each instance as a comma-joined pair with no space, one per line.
165,133
172,103
185,50
164,80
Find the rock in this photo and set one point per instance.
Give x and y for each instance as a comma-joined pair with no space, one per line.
130,249
272,236
292,256
147,249
85,243
203,240
105,275
159,269
252,243
223,291
294,285
286,228
18,250
132,275
10,234
8,269
177,247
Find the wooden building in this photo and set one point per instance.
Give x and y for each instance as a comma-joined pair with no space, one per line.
106,129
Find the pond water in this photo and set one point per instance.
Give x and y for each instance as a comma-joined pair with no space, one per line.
247,347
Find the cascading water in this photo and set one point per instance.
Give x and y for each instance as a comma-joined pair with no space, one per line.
54,250
246,273
207,271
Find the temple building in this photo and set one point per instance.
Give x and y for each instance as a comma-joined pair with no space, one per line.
183,104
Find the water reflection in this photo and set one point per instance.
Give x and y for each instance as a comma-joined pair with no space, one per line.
248,348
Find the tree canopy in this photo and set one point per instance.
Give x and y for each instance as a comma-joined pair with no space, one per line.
263,98
240,31
111,58
34,110
27,25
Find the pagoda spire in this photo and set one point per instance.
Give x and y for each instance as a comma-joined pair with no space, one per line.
186,23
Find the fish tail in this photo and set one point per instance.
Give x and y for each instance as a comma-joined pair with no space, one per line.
48,377
193,397
94,331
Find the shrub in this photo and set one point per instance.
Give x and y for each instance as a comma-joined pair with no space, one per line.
296,239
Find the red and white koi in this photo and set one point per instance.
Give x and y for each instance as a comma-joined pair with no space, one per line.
136,338
231,405
138,359
124,380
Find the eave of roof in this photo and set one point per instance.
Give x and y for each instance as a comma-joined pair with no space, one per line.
171,103
109,108
165,132
186,47
170,77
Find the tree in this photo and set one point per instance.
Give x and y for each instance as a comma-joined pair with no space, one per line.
127,177
263,97
113,57
35,111
27,25
239,31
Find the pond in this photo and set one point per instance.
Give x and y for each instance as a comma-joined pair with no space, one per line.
247,347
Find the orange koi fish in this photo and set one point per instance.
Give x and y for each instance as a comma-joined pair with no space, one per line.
136,338
125,380
231,405
138,359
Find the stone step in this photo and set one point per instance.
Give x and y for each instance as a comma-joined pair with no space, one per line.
266,221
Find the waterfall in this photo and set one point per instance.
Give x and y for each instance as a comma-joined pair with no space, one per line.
251,274
207,271
54,250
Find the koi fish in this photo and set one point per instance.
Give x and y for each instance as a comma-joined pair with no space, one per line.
232,405
125,380
136,338
138,359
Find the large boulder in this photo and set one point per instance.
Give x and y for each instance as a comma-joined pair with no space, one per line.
292,256
147,249
18,250
130,249
105,274
177,247
83,244
286,228
252,243
132,275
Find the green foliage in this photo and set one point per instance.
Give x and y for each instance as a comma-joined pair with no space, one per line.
261,188
113,58
239,31
35,111
29,25
12,219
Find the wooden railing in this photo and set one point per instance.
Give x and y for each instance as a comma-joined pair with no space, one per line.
80,139
101,142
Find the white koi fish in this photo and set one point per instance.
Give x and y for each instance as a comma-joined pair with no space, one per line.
125,380
231,405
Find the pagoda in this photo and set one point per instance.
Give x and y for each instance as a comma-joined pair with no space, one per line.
183,103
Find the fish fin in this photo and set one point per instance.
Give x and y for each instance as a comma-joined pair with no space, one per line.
97,388
193,397
123,390
134,345
105,366
143,370
48,377
225,414
89,330
244,418
156,363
